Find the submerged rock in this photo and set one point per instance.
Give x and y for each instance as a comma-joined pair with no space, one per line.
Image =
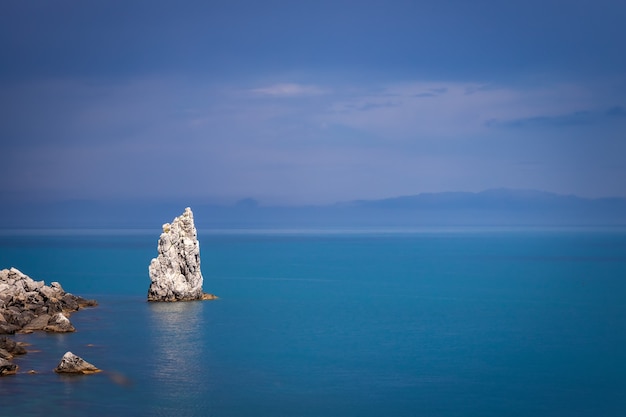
175,273
72,364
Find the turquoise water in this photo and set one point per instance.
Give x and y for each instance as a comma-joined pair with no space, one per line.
441,323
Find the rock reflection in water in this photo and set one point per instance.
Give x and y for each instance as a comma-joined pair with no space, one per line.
179,367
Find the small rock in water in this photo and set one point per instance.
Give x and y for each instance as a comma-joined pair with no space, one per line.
72,364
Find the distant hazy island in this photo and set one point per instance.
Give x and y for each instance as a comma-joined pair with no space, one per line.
496,207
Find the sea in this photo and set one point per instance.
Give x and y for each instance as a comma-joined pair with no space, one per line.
455,322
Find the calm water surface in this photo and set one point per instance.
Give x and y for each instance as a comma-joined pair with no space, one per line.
469,323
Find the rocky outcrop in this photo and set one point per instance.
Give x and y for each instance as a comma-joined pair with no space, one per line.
27,305
175,273
72,364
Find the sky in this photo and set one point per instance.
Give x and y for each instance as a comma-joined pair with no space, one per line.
309,102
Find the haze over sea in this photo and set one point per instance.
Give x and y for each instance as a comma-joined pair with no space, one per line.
429,322
359,125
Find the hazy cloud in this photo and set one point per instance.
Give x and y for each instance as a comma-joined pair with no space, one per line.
579,118
290,90
616,111
310,103
566,120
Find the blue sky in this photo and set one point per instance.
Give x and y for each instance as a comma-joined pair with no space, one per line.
293,102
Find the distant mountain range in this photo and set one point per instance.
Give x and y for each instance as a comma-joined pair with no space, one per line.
493,199
496,207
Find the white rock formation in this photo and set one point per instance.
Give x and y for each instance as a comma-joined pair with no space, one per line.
175,273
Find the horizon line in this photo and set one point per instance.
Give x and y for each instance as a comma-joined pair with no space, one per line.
254,202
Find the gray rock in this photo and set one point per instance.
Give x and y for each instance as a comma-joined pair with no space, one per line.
34,307
13,315
26,317
48,292
54,306
83,302
59,324
32,285
8,328
11,346
69,302
5,354
73,364
175,273
38,323
7,368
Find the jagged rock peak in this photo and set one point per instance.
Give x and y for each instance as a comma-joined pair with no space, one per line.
175,273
